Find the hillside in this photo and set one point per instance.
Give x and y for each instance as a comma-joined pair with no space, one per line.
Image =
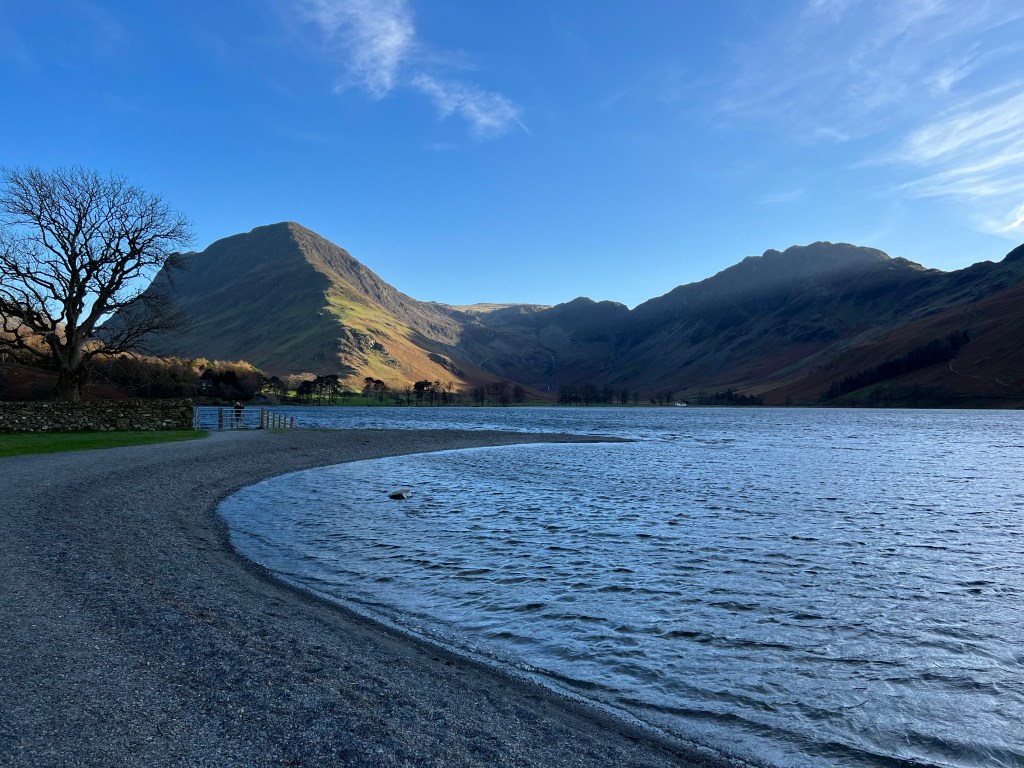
987,368
785,325
288,301
782,316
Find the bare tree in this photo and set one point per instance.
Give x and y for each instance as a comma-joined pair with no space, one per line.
75,249
518,394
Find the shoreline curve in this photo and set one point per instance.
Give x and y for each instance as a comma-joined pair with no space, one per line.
133,633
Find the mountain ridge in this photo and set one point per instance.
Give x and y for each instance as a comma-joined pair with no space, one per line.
288,300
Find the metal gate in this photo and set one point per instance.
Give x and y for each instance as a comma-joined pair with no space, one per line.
219,418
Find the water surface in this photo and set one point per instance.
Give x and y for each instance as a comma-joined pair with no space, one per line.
795,586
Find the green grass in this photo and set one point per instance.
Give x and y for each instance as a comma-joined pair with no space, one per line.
21,444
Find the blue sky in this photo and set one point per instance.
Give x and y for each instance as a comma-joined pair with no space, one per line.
528,151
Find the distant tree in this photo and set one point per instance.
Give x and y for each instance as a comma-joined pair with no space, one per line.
447,391
479,395
272,387
499,392
293,380
326,386
420,389
304,392
76,248
568,394
518,394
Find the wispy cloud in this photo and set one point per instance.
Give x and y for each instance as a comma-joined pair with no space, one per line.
934,83
853,63
1016,220
380,52
983,124
488,114
374,37
973,153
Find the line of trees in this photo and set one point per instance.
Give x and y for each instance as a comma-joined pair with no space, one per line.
663,397
432,393
591,394
499,393
327,389
324,389
935,351
726,397
375,389
150,376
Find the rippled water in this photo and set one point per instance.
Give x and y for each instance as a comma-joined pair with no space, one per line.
794,586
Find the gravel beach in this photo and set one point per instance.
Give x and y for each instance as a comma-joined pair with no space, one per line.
132,634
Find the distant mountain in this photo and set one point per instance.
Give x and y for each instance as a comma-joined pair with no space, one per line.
789,326
768,322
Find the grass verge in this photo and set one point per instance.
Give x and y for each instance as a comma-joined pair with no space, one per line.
20,444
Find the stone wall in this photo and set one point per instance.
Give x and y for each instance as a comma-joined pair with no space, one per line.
133,415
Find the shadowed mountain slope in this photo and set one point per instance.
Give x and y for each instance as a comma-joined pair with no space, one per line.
972,355
781,315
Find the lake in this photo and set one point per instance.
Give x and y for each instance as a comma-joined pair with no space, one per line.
792,586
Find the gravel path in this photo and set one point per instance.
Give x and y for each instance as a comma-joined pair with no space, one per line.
131,634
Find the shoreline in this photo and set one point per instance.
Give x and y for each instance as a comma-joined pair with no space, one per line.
133,633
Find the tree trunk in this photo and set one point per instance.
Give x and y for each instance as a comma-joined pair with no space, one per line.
68,389
71,376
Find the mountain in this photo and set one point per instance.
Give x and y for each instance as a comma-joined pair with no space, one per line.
289,301
767,323
804,324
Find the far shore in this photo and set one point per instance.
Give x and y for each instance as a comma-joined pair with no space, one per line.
133,634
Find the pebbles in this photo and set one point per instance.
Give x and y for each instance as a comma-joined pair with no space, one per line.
132,634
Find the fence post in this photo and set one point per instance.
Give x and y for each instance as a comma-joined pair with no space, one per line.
220,419
293,422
